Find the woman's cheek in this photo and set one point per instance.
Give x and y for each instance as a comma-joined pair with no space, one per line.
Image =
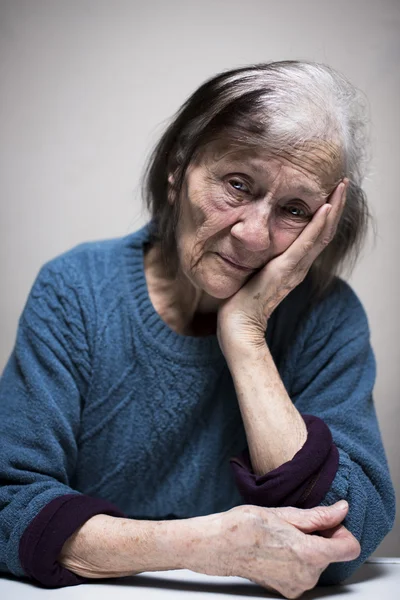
282,238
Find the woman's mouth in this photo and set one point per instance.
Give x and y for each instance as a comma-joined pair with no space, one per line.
234,265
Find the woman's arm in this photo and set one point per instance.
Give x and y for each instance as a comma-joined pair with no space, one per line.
271,547
275,430
329,371
277,469
106,546
41,395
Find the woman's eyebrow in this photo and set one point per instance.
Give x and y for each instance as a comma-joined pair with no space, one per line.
312,193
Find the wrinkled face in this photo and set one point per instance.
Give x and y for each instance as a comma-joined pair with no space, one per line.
248,206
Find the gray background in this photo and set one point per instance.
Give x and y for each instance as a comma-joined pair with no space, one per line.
87,87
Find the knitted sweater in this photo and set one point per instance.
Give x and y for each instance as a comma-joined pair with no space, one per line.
107,410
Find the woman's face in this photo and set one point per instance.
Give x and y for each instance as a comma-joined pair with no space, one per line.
248,206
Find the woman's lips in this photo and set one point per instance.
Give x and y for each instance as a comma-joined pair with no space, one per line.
234,265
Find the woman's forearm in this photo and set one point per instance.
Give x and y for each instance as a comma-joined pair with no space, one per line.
107,546
275,429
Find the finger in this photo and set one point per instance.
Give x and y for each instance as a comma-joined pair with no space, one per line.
327,218
342,546
328,215
308,520
337,202
318,233
330,532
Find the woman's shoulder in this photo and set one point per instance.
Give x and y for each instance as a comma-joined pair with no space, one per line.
301,318
340,304
339,310
86,279
96,261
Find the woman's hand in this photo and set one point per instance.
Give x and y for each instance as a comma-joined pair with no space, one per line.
273,546
243,317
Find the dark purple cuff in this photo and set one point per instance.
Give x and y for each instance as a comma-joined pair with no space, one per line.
43,539
303,481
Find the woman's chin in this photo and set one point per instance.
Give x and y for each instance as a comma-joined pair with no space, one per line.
222,288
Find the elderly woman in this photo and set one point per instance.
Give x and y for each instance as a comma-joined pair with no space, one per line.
198,394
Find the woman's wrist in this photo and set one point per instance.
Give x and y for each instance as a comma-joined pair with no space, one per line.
193,542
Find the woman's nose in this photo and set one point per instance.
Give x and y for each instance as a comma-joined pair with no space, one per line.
252,229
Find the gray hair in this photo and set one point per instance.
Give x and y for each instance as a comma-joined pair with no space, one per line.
306,101
281,106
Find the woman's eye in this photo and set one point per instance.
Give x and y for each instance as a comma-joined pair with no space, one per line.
297,212
238,185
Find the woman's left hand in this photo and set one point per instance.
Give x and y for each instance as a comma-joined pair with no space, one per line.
243,318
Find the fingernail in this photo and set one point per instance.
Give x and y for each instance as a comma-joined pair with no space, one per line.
342,505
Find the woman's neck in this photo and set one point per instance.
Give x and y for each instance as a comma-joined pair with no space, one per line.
185,309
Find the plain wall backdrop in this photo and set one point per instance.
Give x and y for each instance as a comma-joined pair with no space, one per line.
87,86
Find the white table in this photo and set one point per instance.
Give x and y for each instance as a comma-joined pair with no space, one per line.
377,578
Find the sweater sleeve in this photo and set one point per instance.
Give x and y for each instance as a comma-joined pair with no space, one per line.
42,390
330,372
302,482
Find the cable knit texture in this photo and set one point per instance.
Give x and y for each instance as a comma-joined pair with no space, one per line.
101,398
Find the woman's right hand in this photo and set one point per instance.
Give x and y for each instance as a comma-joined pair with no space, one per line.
274,548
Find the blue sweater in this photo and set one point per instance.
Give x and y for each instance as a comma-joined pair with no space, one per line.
101,398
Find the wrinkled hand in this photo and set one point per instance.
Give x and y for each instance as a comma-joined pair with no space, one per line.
273,546
244,316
